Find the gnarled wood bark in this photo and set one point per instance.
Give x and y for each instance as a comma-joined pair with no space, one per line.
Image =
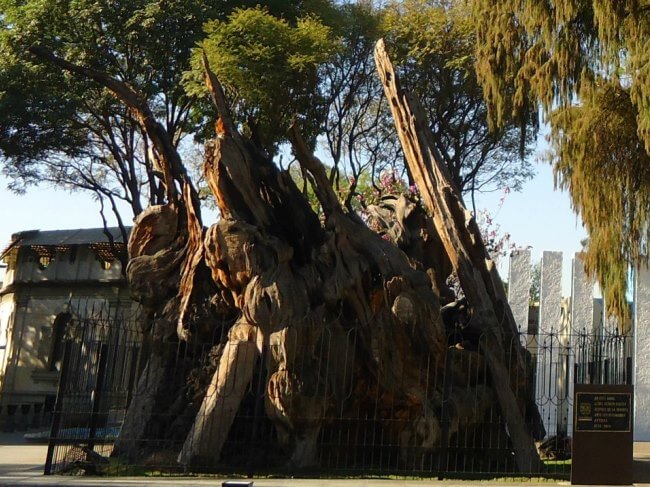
462,240
224,395
289,276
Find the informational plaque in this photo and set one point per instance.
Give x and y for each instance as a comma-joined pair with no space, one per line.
602,435
610,412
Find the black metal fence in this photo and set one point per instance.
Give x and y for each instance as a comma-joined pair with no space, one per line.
105,369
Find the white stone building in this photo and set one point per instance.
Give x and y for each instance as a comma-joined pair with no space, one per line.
50,276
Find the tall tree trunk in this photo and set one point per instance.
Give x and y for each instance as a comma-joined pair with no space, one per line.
462,240
290,277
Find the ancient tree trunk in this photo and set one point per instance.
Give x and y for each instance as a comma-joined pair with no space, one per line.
150,385
463,243
290,277
348,320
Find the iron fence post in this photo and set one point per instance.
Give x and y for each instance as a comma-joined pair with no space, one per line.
257,411
58,407
135,352
97,395
443,459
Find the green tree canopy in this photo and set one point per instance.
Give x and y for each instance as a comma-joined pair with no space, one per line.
305,61
586,63
271,69
358,133
66,130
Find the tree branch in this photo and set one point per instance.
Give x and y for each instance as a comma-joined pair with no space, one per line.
314,166
143,114
218,97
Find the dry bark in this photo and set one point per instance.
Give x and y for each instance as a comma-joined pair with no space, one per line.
143,406
464,246
288,275
223,397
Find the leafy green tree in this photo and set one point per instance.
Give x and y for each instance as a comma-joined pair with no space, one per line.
68,131
65,130
358,133
305,61
271,69
586,64
433,42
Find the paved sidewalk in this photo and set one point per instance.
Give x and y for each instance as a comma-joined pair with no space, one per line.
20,460
21,464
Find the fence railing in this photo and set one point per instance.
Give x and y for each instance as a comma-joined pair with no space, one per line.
464,434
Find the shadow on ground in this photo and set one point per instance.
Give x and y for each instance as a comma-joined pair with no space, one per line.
22,468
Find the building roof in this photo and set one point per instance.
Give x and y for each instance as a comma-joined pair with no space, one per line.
79,236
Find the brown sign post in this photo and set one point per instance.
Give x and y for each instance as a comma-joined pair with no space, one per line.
602,435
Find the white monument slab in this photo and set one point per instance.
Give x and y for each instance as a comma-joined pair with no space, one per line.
642,355
519,280
550,365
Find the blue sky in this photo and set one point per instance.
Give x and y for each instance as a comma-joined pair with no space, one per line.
45,209
538,216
